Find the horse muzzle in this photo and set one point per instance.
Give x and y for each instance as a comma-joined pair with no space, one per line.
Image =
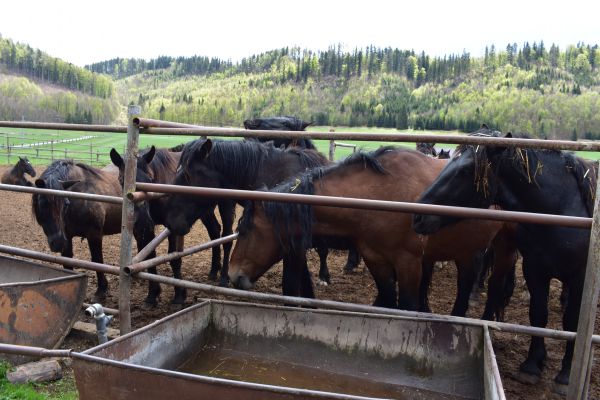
426,224
57,243
240,281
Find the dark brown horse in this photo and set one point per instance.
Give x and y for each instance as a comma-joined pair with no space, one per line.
16,175
393,252
158,166
62,218
281,124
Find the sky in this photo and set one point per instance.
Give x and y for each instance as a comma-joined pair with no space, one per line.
83,32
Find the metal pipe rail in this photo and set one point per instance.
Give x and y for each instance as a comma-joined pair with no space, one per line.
136,197
367,204
143,265
62,193
64,127
145,252
381,137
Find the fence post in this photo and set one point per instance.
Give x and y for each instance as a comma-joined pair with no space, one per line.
331,147
127,219
581,367
91,158
7,150
52,149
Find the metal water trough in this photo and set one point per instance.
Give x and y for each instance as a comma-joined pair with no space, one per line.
38,304
227,350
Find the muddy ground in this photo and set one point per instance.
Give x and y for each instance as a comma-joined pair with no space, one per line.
18,228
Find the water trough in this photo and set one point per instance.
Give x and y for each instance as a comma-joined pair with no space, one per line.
225,350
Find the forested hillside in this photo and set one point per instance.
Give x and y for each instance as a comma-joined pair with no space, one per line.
546,92
37,87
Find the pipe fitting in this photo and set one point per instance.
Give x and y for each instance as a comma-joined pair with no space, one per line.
102,320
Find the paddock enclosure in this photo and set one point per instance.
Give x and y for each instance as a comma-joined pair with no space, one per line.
353,288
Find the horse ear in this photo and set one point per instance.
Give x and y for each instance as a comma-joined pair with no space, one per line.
508,135
22,159
149,155
484,126
205,149
40,183
434,151
116,158
67,184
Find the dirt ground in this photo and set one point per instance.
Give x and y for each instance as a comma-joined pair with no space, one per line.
18,228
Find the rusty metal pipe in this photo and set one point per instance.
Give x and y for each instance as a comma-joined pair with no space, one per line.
33,351
156,123
362,308
143,265
62,193
71,262
381,205
64,127
382,137
142,254
136,197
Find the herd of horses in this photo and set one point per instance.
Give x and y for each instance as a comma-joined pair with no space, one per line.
398,249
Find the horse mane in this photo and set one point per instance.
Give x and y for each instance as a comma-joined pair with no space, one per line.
292,222
163,164
57,171
586,175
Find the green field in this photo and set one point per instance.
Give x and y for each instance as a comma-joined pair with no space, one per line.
95,150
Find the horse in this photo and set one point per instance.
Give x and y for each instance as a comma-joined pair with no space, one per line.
281,124
159,166
16,175
392,251
530,180
429,150
63,218
235,164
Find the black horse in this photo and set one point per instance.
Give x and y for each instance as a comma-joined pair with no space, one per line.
16,175
231,164
281,124
159,166
542,181
62,218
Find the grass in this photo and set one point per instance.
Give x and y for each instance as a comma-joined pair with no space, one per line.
62,389
96,150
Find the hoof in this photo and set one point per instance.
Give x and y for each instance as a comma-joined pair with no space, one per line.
148,306
173,307
526,378
322,283
212,276
559,388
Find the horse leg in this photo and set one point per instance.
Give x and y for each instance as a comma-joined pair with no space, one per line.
427,274
570,321
214,232
539,286
176,244
464,285
296,279
95,245
408,270
144,234
564,295
227,211
353,260
67,251
324,277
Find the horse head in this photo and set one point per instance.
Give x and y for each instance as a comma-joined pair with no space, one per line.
256,248
466,181
143,172
50,213
193,170
26,166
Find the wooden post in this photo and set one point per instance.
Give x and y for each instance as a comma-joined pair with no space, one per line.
127,219
52,149
7,150
91,156
331,147
582,356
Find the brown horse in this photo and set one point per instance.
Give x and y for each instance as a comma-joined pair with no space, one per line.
393,252
62,218
16,175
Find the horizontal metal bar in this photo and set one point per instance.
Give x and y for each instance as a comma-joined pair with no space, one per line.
145,252
362,308
143,265
33,351
136,197
382,137
381,205
64,127
71,262
62,193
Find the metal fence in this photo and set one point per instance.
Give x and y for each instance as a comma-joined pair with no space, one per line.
129,265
